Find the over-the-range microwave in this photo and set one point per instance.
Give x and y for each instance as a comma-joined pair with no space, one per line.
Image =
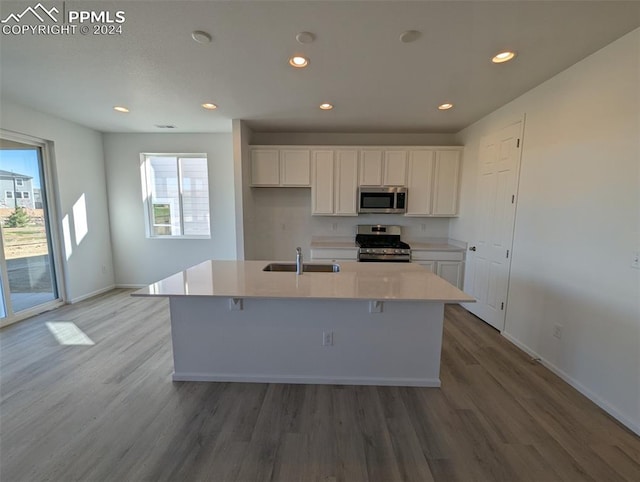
382,200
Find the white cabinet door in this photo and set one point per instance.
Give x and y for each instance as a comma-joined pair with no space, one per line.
395,168
450,271
419,183
445,185
265,167
430,265
294,167
371,167
346,182
322,184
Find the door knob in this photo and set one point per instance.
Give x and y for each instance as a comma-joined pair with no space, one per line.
472,248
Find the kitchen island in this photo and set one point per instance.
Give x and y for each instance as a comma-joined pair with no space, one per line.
369,323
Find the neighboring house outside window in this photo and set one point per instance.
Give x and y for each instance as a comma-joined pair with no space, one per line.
16,190
176,193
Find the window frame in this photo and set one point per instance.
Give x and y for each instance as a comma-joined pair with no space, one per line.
147,191
8,195
19,182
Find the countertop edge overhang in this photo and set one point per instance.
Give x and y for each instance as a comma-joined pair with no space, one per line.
386,282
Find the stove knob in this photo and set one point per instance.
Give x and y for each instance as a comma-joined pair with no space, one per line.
398,251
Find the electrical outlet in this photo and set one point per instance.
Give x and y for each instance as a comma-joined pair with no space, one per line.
235,304
424,227
635,260
327,338
557,331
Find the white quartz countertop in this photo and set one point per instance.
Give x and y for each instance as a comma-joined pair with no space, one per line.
355,281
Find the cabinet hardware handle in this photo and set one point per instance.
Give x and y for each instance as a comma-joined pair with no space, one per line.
472,248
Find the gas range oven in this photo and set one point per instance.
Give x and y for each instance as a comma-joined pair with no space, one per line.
380,243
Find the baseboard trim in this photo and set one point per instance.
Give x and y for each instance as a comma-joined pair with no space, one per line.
129,286
92,294
603,404
224,377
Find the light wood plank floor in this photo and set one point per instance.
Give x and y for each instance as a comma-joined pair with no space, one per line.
110,412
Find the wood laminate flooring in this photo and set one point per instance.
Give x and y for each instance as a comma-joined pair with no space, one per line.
110,412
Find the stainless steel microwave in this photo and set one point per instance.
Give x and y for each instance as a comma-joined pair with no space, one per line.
382,200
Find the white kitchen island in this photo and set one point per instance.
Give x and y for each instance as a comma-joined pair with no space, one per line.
369,323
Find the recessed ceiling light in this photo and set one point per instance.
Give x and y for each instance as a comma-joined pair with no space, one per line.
209,106
165,126
119,108
305,37
445,106
326,106
503,57
298,61
201,36
410,36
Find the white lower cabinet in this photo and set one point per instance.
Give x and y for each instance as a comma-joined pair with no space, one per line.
449,265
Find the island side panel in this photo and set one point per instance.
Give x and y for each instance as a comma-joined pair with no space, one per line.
281,341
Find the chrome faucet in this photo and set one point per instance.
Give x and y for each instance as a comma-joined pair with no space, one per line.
299,260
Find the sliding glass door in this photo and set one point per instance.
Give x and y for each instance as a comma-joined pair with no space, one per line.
27,267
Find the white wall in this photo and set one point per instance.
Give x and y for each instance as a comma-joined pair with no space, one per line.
139,260
577,224
79,167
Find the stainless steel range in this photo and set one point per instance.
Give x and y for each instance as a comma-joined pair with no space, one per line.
380,243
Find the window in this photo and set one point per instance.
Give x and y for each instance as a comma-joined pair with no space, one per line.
19,182
25,194
8,194
176,193
18,195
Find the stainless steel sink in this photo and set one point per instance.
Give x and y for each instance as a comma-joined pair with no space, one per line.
306,268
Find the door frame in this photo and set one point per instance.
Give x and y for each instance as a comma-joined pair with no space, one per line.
51,198
471,272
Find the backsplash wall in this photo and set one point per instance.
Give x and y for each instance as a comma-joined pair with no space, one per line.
282,220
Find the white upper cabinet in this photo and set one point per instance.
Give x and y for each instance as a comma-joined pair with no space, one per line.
371,161
294,167
322,173
433,182
383,167
419,183
335,182
274,167
346,183
446,183
395,168
265,167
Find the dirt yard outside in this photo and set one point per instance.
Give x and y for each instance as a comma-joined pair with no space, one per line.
30,240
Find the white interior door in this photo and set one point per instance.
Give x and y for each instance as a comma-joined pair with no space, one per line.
490,255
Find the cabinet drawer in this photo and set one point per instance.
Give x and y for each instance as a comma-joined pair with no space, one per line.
419,255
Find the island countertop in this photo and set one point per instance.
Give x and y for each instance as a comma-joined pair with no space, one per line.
354,281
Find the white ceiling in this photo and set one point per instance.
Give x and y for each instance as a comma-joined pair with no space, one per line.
377,83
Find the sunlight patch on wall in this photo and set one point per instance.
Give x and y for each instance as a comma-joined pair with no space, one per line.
67,333
80,219
66,234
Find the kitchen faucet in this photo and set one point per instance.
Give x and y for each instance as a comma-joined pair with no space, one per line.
298,260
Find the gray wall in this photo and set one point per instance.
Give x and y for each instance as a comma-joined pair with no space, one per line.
577,224
79,169
139,260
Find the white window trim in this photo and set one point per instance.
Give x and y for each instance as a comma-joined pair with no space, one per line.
19,182
147,189
8,194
